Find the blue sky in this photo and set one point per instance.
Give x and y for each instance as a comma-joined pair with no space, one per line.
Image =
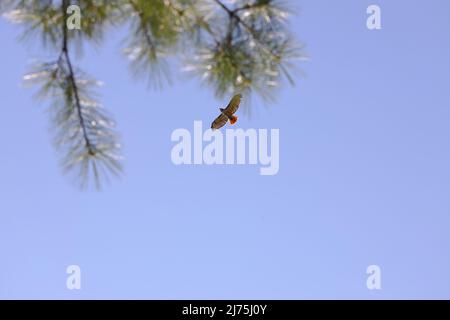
364,175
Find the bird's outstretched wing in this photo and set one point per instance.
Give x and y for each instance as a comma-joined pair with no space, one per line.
234,104
219,122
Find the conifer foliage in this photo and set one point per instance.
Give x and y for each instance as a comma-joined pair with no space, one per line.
232,46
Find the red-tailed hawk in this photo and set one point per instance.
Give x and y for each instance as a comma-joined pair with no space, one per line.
227,113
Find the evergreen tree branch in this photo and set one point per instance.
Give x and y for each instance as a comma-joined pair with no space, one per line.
233,14
242,47
65,52
83,130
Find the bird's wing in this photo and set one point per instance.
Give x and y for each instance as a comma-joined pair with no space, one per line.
234,104
219,122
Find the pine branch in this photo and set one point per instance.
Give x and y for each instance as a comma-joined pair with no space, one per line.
73,83
83,130
143,24
233,14
242,47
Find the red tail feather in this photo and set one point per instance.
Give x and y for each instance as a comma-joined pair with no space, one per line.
233,119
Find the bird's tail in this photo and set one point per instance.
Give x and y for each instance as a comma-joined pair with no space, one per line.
233,119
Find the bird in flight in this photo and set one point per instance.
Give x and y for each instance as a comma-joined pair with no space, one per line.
227,113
